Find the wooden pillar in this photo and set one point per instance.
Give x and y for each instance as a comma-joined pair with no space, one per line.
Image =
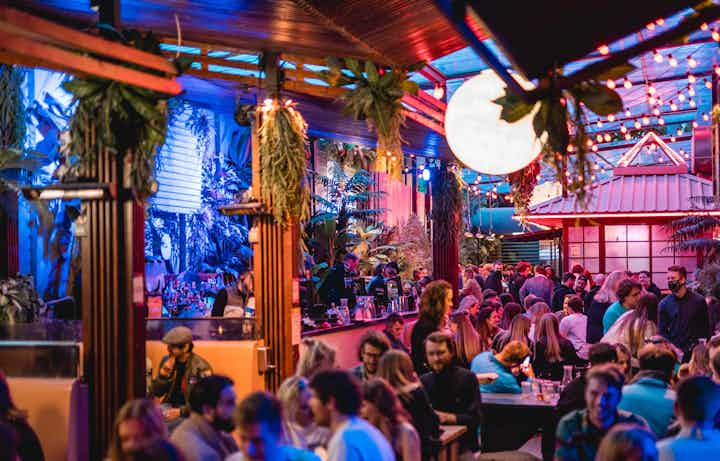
445,245
9,240
275,266
112,301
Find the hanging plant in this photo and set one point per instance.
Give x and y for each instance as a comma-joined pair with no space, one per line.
350,155
560,125
283,162
522,184
122,118
12,109
447,202
375,96
19,301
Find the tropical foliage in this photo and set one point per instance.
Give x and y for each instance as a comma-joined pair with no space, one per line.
559,122
125,119
348,155
283,162
374,94
19,302
447,200
12,109
476,248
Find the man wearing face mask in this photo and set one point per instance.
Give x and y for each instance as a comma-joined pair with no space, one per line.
683,316
178,372
206,434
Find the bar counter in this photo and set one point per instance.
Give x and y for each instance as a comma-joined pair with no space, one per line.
345,338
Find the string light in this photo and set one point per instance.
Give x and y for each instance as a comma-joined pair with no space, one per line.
691,62
657,56
715,35
691,78
637,125
672,138
594,148
691,91
627,83
651,89
603,49
705,116
661,121
692,102
650,26
610,84
599,123
673,106
651,100
707,82
681,96
672,61
611,118
694,124
438,92
623,128
679,131
599,138
660,22
627,136
607,137
656,112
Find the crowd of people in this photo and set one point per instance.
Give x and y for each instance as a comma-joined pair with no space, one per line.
644,381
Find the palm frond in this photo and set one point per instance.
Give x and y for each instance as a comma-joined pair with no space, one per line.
704,244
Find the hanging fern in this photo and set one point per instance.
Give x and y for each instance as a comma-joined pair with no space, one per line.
122,118
283,162
12,109
375,96
447,202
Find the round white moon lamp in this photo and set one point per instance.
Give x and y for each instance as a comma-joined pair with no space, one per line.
478,137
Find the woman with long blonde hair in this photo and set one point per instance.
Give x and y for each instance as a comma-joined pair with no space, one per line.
600,303
466,338
299,428
317,356
138,426
552,351
396,368
635,325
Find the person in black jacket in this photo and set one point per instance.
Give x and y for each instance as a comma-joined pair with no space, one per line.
494,279
435,303
454,392
396,368
377,287
524,271
552,351
340,282
567,287
648,285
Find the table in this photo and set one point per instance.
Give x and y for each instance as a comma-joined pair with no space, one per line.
509,420
450,443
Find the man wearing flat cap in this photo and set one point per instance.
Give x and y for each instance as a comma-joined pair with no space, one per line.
178,372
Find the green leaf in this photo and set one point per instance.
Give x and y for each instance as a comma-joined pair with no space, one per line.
540,120
514,107
418,66
410,87
616,72
558,134
599,98
372,73
354,66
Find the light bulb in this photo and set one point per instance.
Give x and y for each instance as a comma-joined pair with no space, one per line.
692,102
646,120
691,78
672,138
661,121
672,61
594,148
589,142
704,26
627,136
611,118
599,138
673,106
651,89
705,116
623,128
656,112
652,101
681,97
691,62
679,131
607,137
627,83
660,21
610,84
715,35
627,113
637,125
708,84
599,124
695,124
650,26
603,49
657,56
438,92
691,91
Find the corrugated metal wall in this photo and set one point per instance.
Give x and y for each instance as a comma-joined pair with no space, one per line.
180,178
513,252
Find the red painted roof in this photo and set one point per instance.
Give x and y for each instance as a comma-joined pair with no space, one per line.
645,193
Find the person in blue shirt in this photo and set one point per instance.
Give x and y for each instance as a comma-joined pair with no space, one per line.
506,364
628,294
259,422
650,395
698,401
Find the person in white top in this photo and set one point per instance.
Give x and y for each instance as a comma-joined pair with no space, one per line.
335,403
697,403
573,326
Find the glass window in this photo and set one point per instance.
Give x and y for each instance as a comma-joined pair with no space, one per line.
615,233
615,264
615,249
660,279
638,233
575,250
660,264
591,233
636,249
659,233
638,264
575,234
592,265
591,250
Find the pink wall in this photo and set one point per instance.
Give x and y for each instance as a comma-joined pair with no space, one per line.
398,201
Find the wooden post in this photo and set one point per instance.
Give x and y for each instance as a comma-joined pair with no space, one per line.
112,301
9,240
275,263
445,250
